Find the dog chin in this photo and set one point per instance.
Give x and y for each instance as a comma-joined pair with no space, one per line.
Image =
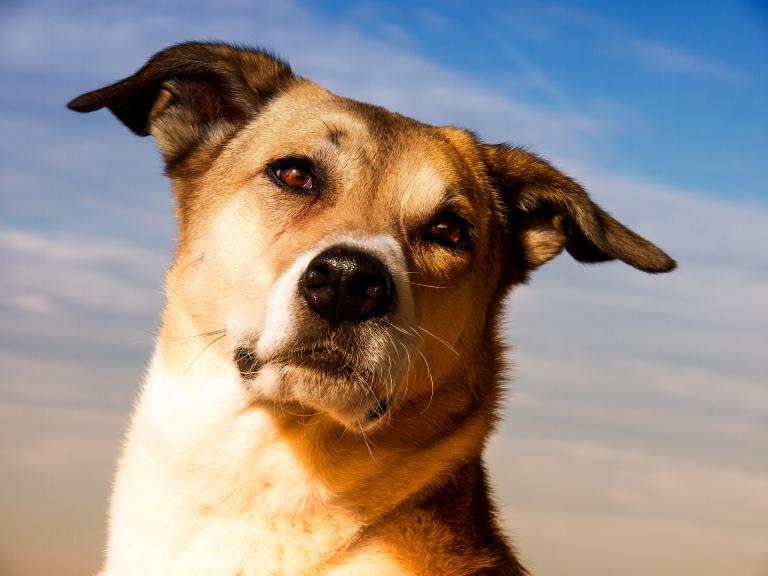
318,384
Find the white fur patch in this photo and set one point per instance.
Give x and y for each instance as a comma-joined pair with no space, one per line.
207,488
280,323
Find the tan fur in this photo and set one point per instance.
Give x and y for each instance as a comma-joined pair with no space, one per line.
281,469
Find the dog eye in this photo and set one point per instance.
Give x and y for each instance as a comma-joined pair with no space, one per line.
295,177
450,232
295,174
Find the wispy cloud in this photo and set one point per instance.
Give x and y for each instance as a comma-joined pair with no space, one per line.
605,543
59,248
668,58
650,53
46,271
616,498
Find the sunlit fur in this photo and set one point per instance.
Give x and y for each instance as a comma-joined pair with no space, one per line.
244,457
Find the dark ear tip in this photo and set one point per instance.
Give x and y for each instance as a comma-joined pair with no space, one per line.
83,103
662,265
668,266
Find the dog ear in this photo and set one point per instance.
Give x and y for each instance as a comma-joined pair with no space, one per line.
547,211
191,93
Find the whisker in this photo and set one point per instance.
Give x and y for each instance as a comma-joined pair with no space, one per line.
286,411
367,445
211,343
441,340
430,286
431,382
190,337
398,328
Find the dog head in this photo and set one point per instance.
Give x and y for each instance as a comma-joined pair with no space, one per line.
352,259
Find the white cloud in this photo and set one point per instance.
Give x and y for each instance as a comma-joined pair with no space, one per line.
631,483
668,58
648,52
607,510
41,246
35,303
589,544
48,271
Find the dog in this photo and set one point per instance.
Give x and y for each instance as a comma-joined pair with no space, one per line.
328,368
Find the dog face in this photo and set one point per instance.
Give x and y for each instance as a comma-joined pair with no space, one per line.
350,258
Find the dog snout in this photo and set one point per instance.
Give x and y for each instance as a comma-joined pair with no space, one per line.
343,284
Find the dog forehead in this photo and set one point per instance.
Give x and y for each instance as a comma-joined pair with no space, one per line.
388,159
307,115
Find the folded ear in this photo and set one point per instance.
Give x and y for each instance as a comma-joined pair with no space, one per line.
191,93
547,211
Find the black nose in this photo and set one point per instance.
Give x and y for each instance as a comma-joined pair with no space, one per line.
347,285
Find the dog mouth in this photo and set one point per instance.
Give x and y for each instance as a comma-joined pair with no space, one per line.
330,372
331,361
248,363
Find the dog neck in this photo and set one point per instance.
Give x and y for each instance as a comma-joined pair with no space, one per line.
417,444
262,472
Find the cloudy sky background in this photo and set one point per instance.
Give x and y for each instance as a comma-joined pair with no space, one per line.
635,435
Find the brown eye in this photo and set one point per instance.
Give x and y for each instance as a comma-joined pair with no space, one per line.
295,176
449,233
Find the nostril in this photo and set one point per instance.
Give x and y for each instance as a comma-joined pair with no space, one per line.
317,277
375,285
359,283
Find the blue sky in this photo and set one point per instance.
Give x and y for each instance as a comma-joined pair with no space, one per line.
677,89
638,406
680,88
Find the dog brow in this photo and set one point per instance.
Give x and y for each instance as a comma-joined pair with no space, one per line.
452,200
334,134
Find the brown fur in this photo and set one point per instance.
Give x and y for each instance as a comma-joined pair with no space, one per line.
414,481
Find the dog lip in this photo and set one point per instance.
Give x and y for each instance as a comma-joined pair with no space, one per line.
327,360
248,362
381,408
